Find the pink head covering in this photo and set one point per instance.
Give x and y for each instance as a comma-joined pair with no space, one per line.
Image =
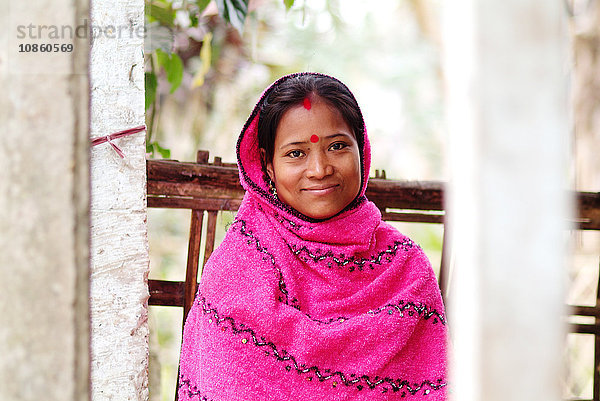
292,308
252,175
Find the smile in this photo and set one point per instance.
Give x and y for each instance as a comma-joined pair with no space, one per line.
321,190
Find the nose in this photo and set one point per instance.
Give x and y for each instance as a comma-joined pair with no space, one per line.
319,166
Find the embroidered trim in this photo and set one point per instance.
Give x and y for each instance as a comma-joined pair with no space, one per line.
360,382
355,263
283,220
269,257
422,310
289,222
191,390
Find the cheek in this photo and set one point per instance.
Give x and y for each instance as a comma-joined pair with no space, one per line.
354,173
285,175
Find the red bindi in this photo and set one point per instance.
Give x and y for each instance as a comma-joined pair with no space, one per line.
306,103
314,139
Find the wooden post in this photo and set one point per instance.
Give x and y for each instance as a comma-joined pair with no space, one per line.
44,204
509,138
120,262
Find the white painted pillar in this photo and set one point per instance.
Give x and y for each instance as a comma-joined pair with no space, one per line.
44,205
509,139
119,253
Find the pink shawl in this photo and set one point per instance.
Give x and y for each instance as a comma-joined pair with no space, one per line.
290,308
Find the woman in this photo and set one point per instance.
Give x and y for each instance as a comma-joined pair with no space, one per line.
311,295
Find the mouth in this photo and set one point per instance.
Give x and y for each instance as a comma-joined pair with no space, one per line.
321,189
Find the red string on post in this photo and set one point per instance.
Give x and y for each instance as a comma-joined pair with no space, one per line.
109,138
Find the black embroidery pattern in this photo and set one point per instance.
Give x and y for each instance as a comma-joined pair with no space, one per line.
411,308
360,382
252,240
285,221
190,389
354,262
422,310
289,222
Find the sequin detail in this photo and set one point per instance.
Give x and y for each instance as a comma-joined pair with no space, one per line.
384,384
190,389
411,308
285,221
421,309
252,240
353,262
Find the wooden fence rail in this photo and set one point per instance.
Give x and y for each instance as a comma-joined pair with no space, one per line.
212,187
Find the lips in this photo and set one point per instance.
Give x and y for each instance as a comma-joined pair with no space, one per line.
321,189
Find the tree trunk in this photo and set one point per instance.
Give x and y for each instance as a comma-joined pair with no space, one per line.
119,249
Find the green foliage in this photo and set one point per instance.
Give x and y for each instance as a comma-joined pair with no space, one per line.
151,85
153,147
234,12
202,4
166,19
161,11
173,67
288,4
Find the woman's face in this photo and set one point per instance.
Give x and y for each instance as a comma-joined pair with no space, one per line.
316,160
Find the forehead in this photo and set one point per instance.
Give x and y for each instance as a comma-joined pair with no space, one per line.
321,119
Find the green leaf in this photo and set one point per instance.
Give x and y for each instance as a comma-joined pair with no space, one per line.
153,147
174,71
234,12
202,4
151,85
149,149
193,19
173,67
162,13
162,57
164,152
288,4
195,11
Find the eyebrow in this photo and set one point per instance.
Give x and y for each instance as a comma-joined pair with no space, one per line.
305,142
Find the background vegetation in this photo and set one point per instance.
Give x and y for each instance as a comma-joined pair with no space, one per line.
208,62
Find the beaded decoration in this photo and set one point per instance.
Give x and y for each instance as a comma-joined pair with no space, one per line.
252,240
246,329
355,263
190,389
285,221
421,309
360,382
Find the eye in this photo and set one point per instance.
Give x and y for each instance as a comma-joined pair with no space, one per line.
294,154
338,146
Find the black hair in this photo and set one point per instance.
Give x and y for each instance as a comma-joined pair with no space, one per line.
292,92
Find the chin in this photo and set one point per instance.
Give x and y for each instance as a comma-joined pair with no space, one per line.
320,214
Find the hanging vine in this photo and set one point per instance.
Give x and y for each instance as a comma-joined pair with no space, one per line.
167,20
